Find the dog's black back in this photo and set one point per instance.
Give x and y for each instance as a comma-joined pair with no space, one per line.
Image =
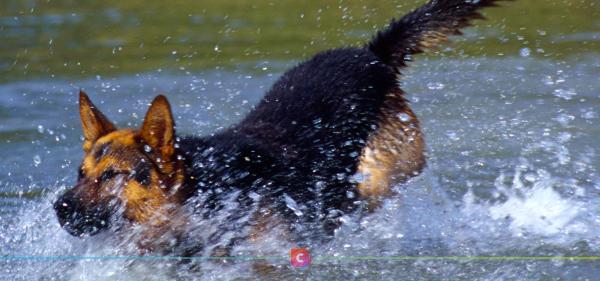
305,140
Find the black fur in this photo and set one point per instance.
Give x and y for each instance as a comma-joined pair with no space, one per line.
304,139
424,28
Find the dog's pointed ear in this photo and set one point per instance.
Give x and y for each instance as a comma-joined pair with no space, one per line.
94,123
158,130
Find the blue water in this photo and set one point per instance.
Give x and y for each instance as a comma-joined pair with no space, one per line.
512,147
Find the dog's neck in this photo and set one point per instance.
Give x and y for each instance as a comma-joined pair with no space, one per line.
223,164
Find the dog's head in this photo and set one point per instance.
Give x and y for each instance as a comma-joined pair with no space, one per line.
128,175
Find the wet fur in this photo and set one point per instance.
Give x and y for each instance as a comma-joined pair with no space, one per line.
332,135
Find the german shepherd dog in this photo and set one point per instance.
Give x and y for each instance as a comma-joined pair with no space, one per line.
330,137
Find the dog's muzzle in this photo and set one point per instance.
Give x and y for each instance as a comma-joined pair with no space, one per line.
78,219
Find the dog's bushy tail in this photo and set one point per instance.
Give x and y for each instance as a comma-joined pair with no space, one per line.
425,28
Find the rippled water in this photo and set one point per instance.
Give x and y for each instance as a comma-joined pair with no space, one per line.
512,171
512,141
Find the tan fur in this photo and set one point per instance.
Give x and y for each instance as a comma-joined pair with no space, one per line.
143,204
158,130
393,153
94,123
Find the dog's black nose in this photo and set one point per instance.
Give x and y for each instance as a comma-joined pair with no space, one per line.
64,208
66,212
79,218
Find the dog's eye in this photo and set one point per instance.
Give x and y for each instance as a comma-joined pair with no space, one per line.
142,175
107,175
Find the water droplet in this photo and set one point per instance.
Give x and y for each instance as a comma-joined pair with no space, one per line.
349,194
147,148
564,119
525,52
435,86
548,81
358,178
320,184
452,135
37,160
292,205
254,196
403,117
564,94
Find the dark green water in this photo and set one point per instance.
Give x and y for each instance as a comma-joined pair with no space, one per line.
69,38
510,111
